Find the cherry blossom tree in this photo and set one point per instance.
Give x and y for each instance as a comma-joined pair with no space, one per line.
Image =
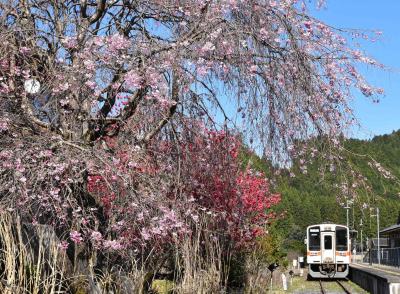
119,119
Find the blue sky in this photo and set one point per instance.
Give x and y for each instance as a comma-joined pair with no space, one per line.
384,15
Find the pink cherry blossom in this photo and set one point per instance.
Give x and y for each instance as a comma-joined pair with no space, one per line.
76,237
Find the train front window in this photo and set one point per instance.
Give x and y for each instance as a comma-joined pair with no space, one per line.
314,239
328,242
341,239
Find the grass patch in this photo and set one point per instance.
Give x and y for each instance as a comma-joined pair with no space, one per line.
162,286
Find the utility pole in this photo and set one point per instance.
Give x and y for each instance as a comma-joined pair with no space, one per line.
347,212
377,234
379,243
362,246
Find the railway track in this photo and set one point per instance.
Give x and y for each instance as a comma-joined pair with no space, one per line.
322,287
343,287
323,291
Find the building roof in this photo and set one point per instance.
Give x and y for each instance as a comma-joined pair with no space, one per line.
383,242
390,229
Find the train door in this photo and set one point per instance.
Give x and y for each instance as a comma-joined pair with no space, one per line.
328,250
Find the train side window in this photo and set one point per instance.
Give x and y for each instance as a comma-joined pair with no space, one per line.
328,242
341,239
314,239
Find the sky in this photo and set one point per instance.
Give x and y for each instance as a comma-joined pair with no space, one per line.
384,15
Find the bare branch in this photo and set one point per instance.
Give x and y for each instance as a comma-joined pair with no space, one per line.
101,6
25,106
171,112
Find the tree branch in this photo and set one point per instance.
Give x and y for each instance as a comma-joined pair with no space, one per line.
127,112
83,8
101,6
29,112
171,112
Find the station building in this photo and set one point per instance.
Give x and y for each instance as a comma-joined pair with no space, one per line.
392,234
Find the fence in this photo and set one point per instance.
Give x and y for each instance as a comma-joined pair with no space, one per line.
389,256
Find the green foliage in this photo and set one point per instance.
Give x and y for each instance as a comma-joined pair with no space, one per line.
237,270
310,198
266,250
162,286
269,248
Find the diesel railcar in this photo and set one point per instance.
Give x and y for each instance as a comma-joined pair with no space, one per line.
328,250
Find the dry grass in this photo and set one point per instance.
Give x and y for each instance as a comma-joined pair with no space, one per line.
32,265
200,259
32,262
258,277
121,282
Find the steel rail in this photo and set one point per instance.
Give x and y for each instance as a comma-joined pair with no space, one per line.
322,288
343,287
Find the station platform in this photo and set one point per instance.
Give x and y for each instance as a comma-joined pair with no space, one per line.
377,279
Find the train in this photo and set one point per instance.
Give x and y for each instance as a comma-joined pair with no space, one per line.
328,250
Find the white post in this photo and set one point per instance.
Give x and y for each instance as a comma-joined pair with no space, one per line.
271,281
284,282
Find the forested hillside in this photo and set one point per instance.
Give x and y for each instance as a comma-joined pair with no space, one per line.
121,124
309,198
